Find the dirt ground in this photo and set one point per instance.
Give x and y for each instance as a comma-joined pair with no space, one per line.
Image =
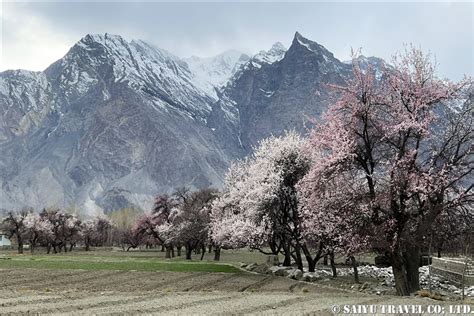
43,291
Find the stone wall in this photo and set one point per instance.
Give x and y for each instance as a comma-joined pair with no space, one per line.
452,269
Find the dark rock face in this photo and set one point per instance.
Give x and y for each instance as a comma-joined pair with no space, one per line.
273,97
113,123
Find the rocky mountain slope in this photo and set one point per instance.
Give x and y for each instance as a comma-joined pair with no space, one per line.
271,94
113,122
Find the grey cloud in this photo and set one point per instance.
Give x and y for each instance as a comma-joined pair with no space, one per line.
205,29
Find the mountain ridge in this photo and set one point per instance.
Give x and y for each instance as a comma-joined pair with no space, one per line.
115,122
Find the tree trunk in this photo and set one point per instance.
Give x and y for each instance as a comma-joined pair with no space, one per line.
178,250
309,259
354,266
439,252
299,261
70,247
168,252
412,259
287,253
311,264
203,252
333,264
20,245
189,252
210,248
400,275
325,260
162,248
217,253
172,251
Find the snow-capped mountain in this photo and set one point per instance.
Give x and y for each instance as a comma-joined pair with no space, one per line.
277,90
154,73
275,53
213,72
108,125
115,122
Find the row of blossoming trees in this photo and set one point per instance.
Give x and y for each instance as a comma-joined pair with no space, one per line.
389,164
55,230
180,221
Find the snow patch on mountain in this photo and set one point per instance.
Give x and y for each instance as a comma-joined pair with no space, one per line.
274,54
214,72
23,88
312,46
153,72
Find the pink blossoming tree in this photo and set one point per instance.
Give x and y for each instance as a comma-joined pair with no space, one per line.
259,204
95,231
405,140
38,230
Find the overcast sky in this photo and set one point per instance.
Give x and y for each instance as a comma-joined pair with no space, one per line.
35,34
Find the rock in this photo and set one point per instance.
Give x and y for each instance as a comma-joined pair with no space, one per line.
310,276
452,288
325,273
280,271
388,282
243,265
364,286
272,260
262,269
295,274
274,269
251,266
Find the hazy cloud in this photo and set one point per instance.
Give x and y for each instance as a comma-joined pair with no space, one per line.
35,34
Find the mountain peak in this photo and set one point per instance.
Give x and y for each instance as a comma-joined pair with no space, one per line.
118,43
278,46
103,39
301,41
298,36
274,54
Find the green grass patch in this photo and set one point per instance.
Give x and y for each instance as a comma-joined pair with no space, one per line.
109,263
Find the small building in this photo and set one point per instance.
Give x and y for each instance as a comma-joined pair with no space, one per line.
4,241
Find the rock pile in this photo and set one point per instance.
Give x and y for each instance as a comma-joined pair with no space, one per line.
384,275
438,283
